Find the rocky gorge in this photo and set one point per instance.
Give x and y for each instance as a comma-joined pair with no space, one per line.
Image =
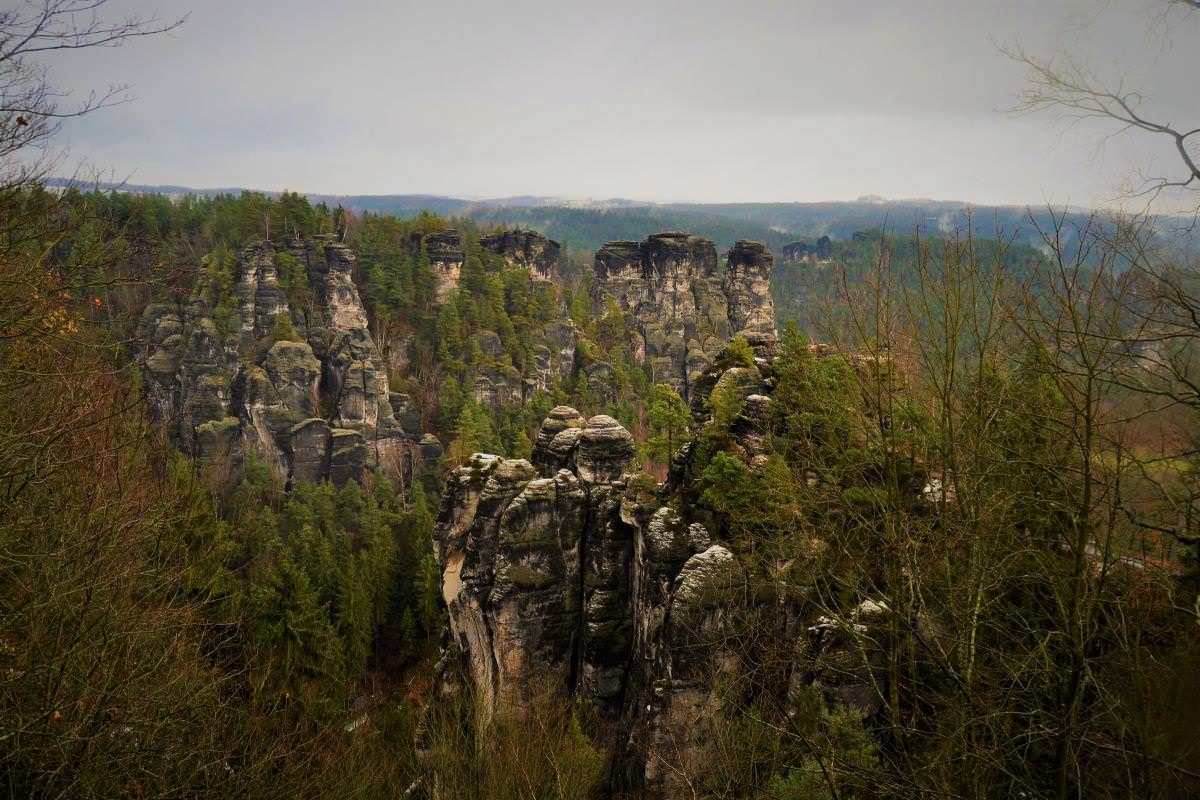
570,568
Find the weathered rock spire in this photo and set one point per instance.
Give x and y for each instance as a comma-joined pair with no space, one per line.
683,310
313,405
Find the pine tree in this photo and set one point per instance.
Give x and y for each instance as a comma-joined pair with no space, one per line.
466,434
668,419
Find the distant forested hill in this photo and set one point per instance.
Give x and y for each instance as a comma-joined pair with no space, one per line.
775,224
840,220
585,226
589,228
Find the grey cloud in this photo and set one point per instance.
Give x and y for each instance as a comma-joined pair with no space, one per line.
659,100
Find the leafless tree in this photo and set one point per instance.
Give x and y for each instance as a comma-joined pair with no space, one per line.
32,107
1163,298
1069,87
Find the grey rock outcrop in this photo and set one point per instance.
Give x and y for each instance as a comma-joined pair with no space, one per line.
528,249
498,376
508,542
682,309
446,255
567,568
557,439
606,450
497,382
747,287
575,567
310,409
553,356
535,562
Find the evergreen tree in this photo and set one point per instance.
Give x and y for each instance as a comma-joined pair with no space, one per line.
668,419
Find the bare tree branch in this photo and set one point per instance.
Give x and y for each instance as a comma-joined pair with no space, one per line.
1067,88
30,105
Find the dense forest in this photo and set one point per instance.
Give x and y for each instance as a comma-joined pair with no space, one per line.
293,615
302,499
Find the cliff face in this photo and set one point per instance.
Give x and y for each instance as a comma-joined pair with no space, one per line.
533,559
575,568
682,309
747,287
496,381
553,359
554,345
313,405
527,249
445,251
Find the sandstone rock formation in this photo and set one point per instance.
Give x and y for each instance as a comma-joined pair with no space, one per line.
568,568
575,568
803,252
682,309
305,391
553,355
528,249
496,381
534,562
445,251
747,288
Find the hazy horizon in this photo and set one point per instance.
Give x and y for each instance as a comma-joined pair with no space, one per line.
662,102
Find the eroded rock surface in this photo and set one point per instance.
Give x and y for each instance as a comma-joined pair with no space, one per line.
306,392
802,252
497,378
528,249
574,567
535,559
445,251
683,311
567,568
748,288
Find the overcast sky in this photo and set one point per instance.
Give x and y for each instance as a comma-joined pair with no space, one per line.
697,100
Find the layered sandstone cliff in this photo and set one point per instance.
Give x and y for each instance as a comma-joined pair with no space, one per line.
802,252
496,381
527,249
304,390
747,287
575,568
446,255
682,309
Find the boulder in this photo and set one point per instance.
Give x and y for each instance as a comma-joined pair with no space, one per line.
606,451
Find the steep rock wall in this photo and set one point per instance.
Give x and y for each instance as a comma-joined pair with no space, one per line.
682,308
567,567
553,347
311,409
526,249
747,286
573,567
445,251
